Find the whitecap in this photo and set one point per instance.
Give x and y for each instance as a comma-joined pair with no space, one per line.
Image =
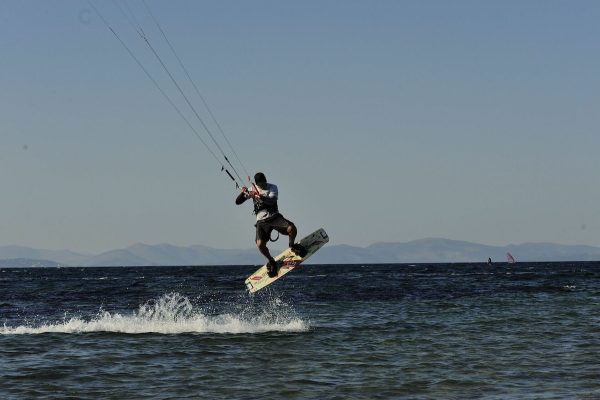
174,314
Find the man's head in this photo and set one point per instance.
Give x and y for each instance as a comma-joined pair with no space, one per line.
261,180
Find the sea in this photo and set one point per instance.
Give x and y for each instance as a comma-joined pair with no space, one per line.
393,331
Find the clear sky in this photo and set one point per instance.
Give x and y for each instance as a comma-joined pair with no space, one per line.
378,120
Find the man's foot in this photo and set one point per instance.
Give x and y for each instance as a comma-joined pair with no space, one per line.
272,269
298,249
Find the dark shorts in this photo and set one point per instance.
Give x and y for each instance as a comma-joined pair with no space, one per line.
266,226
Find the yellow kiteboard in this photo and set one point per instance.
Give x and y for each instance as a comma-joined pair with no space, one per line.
287,261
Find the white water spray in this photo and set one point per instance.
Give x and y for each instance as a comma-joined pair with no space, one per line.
175,314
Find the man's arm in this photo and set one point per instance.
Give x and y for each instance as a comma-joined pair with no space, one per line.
242,197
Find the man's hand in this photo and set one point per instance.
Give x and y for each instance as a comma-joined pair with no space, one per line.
250,193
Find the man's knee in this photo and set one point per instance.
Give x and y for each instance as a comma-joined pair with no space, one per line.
291,227
260,244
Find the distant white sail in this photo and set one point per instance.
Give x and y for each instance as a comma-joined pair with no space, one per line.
509,258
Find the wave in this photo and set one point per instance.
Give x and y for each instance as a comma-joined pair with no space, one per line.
175,314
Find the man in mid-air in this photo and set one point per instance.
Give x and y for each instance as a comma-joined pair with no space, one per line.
268,218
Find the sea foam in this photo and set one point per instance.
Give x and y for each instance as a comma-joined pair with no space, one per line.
175,314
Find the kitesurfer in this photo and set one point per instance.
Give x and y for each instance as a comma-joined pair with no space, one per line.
264,195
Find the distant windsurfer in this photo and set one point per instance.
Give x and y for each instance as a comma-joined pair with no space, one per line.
264,195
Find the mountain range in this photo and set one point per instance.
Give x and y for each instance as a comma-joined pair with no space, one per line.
418,251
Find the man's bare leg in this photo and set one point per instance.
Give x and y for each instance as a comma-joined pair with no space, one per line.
262,247
292,232
272,264
296,247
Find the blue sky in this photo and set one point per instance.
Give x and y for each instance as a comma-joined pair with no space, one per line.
379,121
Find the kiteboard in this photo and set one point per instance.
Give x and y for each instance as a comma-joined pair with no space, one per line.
287,261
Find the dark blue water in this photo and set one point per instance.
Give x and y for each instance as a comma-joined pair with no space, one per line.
527,331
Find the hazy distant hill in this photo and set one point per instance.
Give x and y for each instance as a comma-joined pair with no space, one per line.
417,251
444,250
27,263
166,254
65,257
